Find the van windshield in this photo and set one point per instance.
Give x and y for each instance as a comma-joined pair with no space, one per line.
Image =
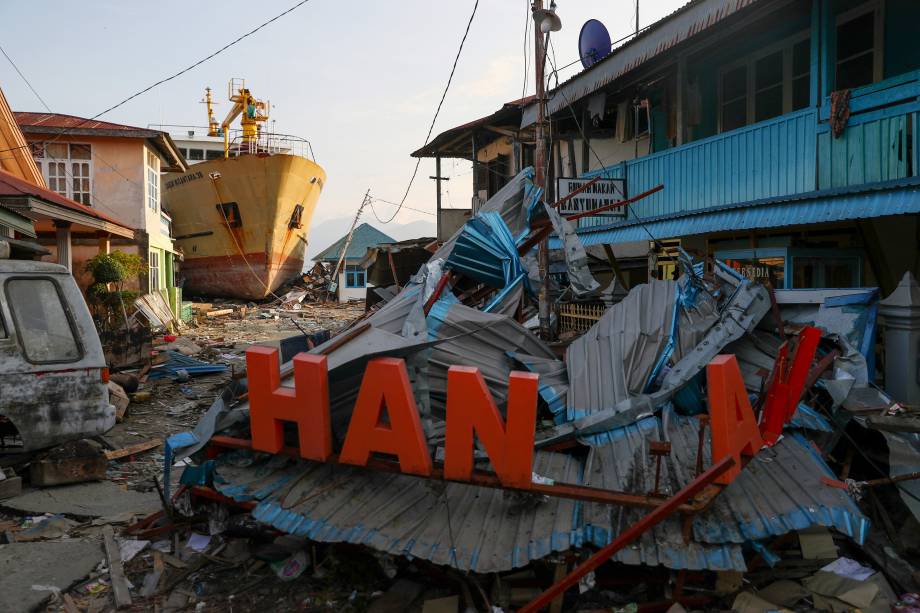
44,329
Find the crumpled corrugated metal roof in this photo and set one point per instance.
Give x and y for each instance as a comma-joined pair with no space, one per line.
779,490
490,530
465,526
616,357
485,342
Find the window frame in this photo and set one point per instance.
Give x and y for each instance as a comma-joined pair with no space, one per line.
153,181
153,272
351,272
45,164
78,341
877,7
785,46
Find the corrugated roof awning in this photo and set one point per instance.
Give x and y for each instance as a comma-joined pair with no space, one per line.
688,21
17,222
826,206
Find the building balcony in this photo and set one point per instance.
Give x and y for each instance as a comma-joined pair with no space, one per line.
786,157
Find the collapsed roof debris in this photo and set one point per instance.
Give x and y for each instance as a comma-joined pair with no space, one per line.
624,410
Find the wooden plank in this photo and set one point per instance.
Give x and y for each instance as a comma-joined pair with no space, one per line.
133,449
116,570
219,313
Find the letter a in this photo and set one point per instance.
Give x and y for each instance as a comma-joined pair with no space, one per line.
734,428
307,404
386,384
470,409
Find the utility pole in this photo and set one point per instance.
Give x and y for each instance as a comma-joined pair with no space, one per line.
540,172
437,179
333,285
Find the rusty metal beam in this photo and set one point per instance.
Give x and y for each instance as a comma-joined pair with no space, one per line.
489,479
632,533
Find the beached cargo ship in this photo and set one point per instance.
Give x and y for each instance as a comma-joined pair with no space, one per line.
242,220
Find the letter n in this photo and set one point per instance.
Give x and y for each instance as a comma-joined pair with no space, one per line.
307,404
470,409
734,427
386,385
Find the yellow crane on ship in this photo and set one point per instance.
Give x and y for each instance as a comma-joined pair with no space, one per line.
254,112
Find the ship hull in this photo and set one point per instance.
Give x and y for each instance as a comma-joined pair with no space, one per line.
238,225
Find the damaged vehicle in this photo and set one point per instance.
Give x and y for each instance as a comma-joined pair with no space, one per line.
53,376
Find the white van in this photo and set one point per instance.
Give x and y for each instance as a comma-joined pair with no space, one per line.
53,376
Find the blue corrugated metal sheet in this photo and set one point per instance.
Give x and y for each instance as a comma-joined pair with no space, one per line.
485,251
816,207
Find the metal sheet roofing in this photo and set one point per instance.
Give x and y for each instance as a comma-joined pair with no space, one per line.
465,526
810,208
73,124
678,27
364,237
779,490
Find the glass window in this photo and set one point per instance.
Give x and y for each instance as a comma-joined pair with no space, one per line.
734,98
801,74
44,328
153,259
196,154
213,154
856,52
153,185
68,169
355,276
768,86
832,272
761,269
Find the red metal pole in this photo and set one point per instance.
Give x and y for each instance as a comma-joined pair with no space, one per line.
438,289
629,535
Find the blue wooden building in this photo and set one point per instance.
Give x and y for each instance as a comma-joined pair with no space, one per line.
785,133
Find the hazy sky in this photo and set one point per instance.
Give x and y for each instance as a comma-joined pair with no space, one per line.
359,79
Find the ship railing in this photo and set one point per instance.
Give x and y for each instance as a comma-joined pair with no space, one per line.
273,143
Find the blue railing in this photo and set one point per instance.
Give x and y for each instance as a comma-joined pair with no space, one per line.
791,154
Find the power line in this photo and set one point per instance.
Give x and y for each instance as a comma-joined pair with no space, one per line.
180,73
408,208
435,118
19,72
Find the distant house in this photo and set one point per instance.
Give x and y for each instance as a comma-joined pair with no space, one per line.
113,169
352,279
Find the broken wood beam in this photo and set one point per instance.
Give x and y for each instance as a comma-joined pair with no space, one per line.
116,570
219,313
133,449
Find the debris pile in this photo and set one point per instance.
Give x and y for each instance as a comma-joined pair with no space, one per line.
707,442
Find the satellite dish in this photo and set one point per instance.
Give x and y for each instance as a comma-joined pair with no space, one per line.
593,43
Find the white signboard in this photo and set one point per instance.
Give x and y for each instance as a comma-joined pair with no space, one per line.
600,193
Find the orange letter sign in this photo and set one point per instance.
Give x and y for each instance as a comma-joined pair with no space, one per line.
470,408
734,428
307,404
386,384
